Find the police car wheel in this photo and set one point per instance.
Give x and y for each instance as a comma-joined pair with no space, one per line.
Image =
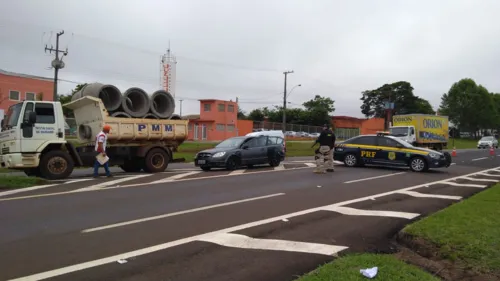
350,160
418,164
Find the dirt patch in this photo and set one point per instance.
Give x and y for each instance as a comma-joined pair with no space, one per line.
426,255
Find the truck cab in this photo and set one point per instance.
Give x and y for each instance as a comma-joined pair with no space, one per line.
28,129
404,133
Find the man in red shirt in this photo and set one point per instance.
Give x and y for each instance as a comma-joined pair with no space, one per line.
100,147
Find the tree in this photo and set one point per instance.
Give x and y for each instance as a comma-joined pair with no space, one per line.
63,99
241,114
400,93
318,110
256,115
78,88
470,106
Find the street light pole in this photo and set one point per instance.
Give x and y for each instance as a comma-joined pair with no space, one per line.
284,101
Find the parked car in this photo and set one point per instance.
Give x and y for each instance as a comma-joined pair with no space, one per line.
486,142
243,151
273,133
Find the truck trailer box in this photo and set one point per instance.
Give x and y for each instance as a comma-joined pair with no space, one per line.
428,128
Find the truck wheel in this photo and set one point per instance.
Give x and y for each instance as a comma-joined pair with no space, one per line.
55,165
156,161
418,164
132,166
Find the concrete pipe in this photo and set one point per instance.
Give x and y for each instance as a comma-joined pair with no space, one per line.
109,94
136,102
162,104
120,114
175,117
150,116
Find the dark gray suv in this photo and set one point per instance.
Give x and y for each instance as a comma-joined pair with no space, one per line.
242,151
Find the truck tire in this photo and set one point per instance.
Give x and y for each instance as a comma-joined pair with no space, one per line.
132,166
156,161
56,164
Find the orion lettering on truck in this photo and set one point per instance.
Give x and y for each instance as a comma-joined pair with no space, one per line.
155,127
433,124
403,119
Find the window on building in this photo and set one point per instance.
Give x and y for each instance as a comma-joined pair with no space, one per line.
30,96
206,107
230,108
220,127
221,107
45,113
14,95
230,127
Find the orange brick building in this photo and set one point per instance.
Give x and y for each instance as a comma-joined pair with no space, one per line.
218,121
16,87
347,127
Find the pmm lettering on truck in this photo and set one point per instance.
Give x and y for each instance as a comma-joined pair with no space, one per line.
433,123
155,127
403,119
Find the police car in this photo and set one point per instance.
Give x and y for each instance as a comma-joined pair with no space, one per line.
383,149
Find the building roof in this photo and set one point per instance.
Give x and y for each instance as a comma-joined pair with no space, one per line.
202,100
9,73
346,118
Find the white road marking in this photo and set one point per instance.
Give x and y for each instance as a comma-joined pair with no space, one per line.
176,177
453,164
475,179
146,183
26,189
427,195
180,213
310,165
280,167
245,242
78,180
111,183
477,159
377,177
358,212
237,172
463,184
489,175
155,248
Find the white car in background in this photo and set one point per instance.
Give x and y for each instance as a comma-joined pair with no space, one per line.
487,142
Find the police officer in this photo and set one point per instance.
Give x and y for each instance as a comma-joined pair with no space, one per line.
326,142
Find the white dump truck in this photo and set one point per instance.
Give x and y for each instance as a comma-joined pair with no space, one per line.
33,139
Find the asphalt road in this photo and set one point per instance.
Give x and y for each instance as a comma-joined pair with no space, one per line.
258,224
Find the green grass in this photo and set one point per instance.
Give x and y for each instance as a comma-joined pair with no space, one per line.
12,182
468,232
347,269
462,143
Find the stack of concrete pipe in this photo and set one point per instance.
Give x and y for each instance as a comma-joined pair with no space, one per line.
133,103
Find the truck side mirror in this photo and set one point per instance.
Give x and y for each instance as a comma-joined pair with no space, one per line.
32,117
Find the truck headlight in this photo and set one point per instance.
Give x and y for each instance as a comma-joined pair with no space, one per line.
434,155
219,154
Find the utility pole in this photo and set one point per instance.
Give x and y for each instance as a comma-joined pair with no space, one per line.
180,113
57,63
284,101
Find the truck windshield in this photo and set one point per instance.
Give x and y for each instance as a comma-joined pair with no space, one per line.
399,131
13,116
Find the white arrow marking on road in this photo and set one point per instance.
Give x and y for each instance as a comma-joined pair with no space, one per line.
489,175
377,177
280,167
310,164
426,195
111,183
477,159
245,242
358,212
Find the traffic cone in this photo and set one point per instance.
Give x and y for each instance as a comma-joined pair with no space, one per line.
454,152
492,151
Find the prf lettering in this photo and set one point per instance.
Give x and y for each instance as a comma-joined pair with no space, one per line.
368,154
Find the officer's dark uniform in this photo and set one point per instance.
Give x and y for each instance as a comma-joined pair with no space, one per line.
326,142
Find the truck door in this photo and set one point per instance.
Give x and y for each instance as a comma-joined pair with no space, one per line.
45,128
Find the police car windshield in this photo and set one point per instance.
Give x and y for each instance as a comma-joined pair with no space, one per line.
489,138
231,143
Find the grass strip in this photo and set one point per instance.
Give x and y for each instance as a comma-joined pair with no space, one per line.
467,232
13,182
347,269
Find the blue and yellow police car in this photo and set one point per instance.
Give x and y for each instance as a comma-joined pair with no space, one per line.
385,150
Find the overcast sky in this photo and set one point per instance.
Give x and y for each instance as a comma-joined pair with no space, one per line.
234,48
